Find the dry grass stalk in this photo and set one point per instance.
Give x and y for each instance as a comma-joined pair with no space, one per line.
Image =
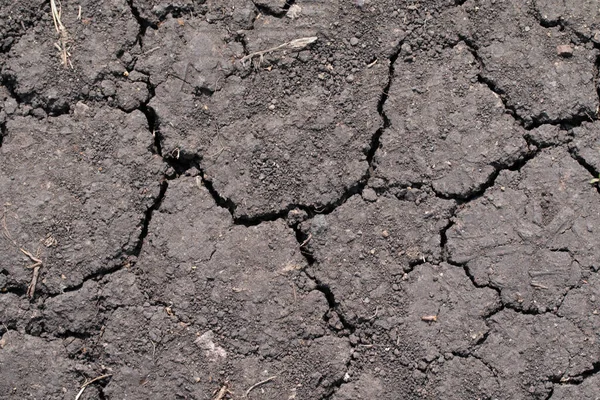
63,35
295,44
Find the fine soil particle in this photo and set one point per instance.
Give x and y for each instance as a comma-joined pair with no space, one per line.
272,199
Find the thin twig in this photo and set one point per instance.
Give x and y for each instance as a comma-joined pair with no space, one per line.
86,384
151,50
307,240
258,384
371,64
37,264
538,285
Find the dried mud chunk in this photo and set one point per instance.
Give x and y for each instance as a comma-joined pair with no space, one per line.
231,293
186,64
335,22
582,306
432,137
444,312
304,151
436,311
529,351
82,311
586,144
139,342
15,312
359,262
253,281
131,95
547,135
195,56
583,16
75,193
121,289
461,378
273,6
311,19
73,312
588,389
520,61
270,137
32,367
144,345
533,234
106,30
307,151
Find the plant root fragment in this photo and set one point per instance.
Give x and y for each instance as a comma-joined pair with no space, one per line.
86,384
251,388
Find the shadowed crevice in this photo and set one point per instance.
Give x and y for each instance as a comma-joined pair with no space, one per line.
476,193
276,12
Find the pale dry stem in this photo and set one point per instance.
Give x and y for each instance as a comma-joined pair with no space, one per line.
63,35
295,44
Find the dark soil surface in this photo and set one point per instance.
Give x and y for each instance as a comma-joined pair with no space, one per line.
271,199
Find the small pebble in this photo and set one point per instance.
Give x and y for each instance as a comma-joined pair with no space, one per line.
350,78
353,41
564,50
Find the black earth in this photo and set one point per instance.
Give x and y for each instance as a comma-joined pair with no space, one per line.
279,199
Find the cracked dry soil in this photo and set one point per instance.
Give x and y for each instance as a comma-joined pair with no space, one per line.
401,209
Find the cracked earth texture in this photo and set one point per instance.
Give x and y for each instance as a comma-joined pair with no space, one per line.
401,209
